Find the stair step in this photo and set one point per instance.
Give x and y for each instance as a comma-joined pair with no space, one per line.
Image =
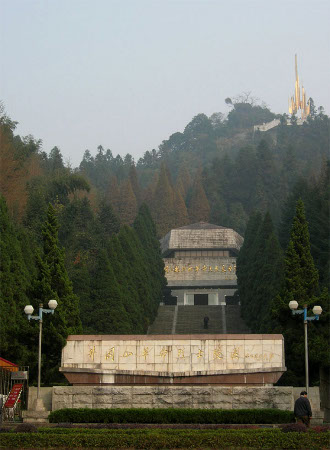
190,320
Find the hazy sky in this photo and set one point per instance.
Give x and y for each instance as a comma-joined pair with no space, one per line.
128,74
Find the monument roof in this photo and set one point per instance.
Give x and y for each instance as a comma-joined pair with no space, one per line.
201,235
200,226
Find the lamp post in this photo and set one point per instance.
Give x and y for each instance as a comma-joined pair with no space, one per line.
29,311
317,310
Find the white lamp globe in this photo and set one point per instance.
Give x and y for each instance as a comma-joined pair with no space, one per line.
293,304
52,304
317,310
28,310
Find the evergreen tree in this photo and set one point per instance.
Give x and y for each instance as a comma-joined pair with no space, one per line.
183,181
146,232
267,275
245,261
199,208
16,336
139,271
163,203
105,313
112,194
130,296
300,284
181,213
52,281
259,272
135,184
53,257
108,221
127,208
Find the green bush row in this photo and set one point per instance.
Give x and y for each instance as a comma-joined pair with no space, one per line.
169,439
182,415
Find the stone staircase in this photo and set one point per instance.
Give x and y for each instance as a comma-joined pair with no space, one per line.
189,320
163,323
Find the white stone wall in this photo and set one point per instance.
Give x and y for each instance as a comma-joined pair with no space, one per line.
267,126
183,354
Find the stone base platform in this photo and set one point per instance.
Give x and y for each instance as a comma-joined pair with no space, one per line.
38,417
210,397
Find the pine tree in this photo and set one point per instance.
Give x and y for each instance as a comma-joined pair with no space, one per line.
266,276
139,271
245,261
53,257
16,336
146,232
135,184
301,276
108,221
181,213
106,314
183,181
300,284
130,296
162,209
127,209
199,208
52,281
112,194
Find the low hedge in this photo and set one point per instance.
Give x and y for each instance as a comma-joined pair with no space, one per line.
182,415
168,439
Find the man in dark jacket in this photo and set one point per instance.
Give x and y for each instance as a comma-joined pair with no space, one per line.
302,409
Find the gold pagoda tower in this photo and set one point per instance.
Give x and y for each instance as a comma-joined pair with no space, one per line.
297,102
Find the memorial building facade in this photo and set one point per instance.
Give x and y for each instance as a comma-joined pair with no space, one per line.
200,263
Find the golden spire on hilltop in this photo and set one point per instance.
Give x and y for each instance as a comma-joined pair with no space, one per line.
295,102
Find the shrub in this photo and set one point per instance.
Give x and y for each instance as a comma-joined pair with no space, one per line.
321,428
294,427
171,415
26,428
161,439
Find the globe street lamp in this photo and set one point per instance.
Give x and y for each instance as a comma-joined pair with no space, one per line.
317,310
29,311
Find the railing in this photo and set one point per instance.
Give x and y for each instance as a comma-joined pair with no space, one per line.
9,376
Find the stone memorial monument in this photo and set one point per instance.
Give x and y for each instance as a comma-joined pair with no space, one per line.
200,263
250,359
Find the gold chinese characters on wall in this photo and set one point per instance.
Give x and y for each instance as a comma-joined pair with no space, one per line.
216,354
224,268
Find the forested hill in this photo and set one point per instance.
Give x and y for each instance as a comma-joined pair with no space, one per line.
218,169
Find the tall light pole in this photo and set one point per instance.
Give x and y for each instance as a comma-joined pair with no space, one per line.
317,310
29,311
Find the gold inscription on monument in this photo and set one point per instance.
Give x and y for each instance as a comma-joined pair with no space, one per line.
127,354
224,268
92,352
110,354
200,353
180,353
235,353
163,352
217,353
266,357
145,353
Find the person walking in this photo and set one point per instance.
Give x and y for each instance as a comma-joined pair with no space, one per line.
206,322
302,409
